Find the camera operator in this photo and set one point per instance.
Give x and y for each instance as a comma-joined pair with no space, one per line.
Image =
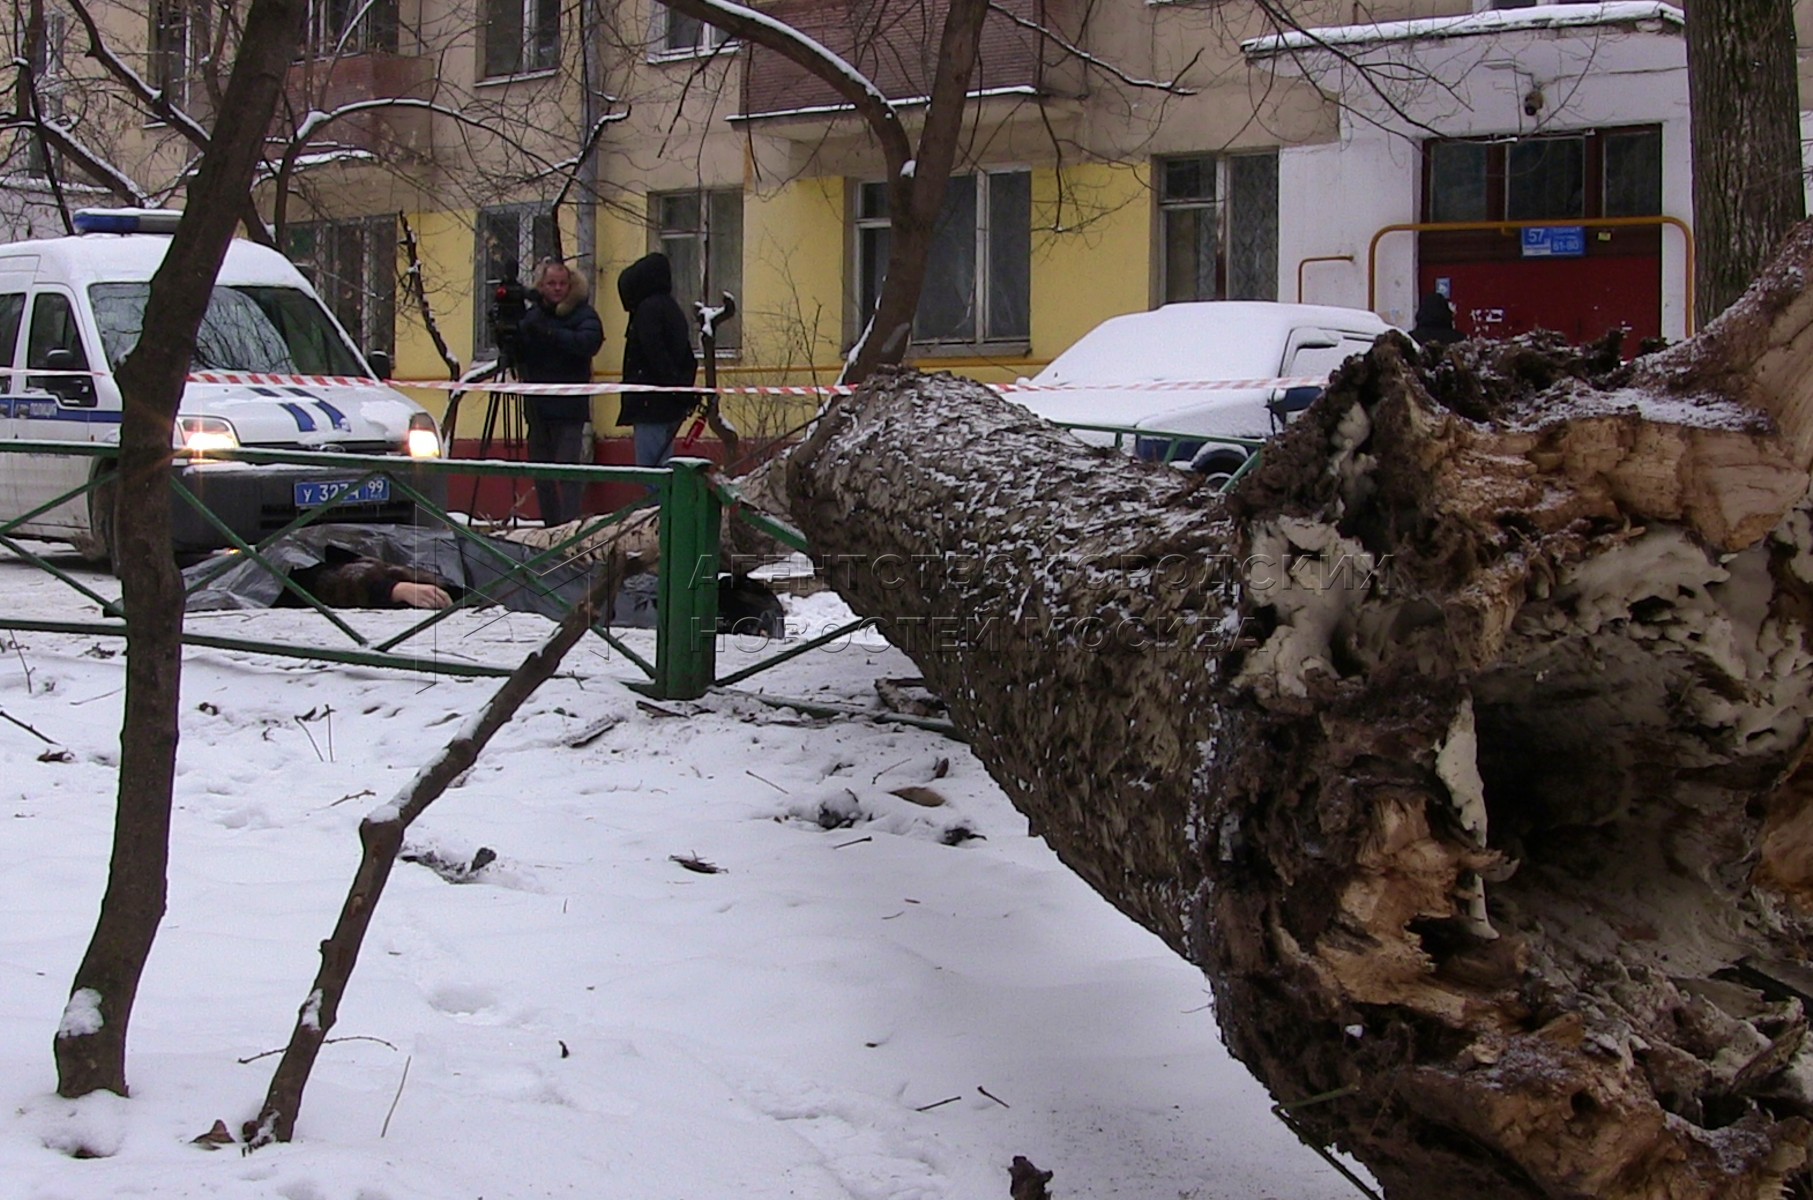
555,340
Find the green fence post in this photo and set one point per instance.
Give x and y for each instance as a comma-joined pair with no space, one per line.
687,596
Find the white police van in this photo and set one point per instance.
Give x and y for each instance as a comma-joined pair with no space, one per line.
75,306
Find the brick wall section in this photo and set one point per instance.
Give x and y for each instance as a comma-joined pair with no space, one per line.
894,42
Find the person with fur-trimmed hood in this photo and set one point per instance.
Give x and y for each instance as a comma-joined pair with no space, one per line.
657,349
556,340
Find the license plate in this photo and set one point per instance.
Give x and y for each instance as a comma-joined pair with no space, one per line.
318,492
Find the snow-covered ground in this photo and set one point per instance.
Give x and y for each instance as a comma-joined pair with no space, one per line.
851,1007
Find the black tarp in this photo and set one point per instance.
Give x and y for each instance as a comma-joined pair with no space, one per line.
499,570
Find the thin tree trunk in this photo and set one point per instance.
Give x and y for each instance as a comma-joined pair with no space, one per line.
1747,172
90,1046
381,837
1460,746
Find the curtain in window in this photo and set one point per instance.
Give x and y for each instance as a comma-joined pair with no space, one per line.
1253,227
947,305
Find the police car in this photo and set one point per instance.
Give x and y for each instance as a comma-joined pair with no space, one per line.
73,307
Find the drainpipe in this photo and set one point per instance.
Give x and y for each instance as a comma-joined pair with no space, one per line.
585,210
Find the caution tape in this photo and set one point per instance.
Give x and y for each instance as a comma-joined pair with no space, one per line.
605,388
601,388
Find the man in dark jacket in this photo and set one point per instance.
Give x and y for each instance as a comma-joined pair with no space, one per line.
657,349
556,340
1435,322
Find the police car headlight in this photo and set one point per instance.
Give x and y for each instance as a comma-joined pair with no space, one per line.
423,441
202,435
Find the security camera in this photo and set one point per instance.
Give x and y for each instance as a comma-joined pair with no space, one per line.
1532,102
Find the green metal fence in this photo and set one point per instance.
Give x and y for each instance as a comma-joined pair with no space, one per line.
669,672
693,505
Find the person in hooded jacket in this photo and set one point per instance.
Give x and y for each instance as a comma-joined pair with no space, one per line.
1435,322
556,340
657,349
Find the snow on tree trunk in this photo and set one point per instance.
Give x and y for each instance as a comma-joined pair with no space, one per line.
1460,746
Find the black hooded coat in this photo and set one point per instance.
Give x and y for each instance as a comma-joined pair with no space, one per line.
657,345
1435,322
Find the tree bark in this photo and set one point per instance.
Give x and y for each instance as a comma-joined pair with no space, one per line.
1461,746
1745,97
90,1046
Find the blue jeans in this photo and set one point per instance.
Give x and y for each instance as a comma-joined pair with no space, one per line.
655,442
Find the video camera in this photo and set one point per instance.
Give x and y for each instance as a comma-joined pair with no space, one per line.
509,301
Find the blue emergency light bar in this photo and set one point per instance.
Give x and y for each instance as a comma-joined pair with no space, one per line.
126,220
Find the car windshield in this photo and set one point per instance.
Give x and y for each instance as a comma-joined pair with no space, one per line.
267,328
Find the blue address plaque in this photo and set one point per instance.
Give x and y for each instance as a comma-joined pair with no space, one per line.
1555,241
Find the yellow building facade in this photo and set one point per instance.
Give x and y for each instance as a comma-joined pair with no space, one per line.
1114,156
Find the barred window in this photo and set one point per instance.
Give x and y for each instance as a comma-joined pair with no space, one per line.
520,36
510,240
353,265
1218,227
702,235
978,279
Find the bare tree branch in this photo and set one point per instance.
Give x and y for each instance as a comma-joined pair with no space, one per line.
869,101
1077,52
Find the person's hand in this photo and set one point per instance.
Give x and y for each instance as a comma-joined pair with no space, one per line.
420,595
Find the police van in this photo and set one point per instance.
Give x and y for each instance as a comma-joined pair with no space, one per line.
73,307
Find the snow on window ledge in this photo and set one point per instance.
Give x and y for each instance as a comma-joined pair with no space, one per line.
518,77
694,53
922,351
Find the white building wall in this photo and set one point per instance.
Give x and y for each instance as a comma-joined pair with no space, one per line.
1334,198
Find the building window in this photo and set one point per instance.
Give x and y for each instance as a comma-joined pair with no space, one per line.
49,76
177,44
520,36
509,242
1458,182
339,27
978,279
1610,173
1545,179
702,235
353,265
1218,227
678,35
1633,173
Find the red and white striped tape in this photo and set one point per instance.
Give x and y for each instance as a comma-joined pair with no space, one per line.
605,388
600,388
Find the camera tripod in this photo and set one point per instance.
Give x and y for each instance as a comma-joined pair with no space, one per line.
503,413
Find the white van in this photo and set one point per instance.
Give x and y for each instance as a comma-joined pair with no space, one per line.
1108,377
77,304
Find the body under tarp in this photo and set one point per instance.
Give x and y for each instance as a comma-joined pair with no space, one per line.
500,571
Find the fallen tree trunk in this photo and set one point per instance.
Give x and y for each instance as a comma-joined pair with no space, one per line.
1461,746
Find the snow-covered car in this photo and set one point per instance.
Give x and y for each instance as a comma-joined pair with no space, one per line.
1114,375
73,307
